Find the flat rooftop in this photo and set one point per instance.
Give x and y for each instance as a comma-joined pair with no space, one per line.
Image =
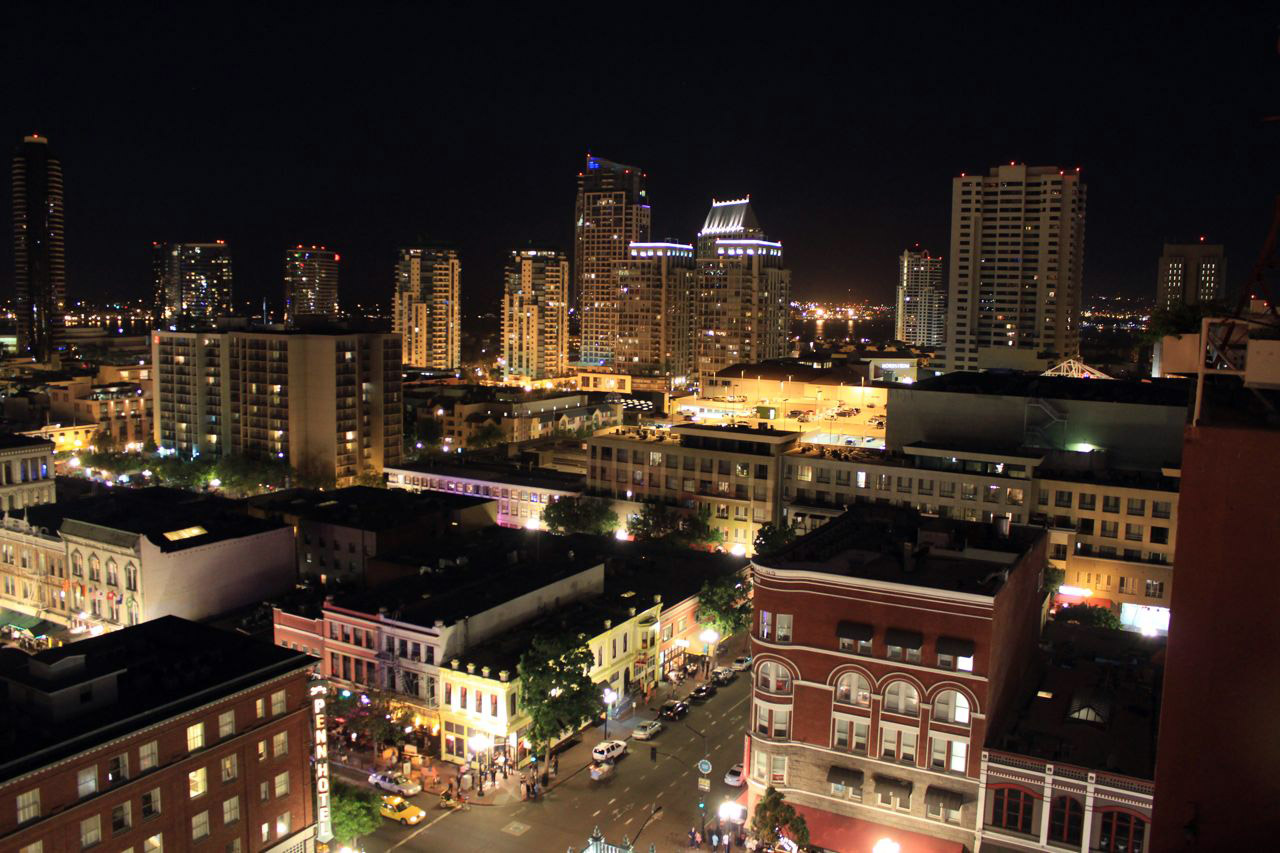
1147,392
162,668
895,544
10,441
1090,698
363,507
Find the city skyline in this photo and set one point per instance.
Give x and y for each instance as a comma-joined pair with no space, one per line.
258,182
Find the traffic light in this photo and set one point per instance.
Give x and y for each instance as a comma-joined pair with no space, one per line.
702,805
653,753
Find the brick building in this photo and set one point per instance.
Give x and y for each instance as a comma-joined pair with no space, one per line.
885,645
158,737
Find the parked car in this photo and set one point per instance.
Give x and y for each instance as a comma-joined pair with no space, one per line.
396,783
674,709
742,664
607,750
401,810
734,777
648,730
723,675
703,692
794,413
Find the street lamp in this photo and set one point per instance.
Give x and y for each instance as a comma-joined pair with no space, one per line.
609,698
710,637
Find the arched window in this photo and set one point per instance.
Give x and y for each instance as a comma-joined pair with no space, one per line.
951,706
95,568
77,564
1122,833
901,698
113,574
1066,820
130,576
853,689
773,678
1011,809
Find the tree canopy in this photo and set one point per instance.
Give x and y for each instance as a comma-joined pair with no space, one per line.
580,515
555,690
1088,614
775,817
773,537
723,604
657,522
487,435
354,812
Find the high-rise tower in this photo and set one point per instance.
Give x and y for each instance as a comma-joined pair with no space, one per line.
193,282
611,213
921,317
426,311
1017,261
743,292
1190,273
535,315
310,283
656,286
39,249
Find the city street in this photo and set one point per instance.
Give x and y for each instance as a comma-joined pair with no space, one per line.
565,815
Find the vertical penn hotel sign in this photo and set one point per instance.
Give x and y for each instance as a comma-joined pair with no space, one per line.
320,760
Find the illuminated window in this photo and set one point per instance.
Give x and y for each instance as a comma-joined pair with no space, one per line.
185,533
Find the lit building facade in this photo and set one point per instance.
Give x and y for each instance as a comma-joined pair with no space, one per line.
1190,273
310,282
656,285
1017,259
522,495
611,212
535,315
921,316
427,307
193,282
742,304
328,403
26,472
39,248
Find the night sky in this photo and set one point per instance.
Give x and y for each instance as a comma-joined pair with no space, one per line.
373,128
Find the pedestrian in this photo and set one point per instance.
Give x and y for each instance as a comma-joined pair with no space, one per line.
524,790
555,765
715,841
692,833
726,841
697,840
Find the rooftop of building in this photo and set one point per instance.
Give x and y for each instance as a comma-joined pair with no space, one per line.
12,441
1091,699
497,472
161,668
896,544
1011,383
730,218
362,507
172,519
796,370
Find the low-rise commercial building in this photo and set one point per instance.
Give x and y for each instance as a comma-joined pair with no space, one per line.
26,472
466,414
165,736
522,495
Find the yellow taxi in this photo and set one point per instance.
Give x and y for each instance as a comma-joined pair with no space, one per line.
399,809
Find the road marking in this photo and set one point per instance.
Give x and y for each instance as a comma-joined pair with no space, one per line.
419,830
611,802
628,788
672,785
628,821
684,774
597,813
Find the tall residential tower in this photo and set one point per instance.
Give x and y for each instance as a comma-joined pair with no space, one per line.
1190,273
39,250
611,213
426,311
921,317
656,286
1017,259
310,283
535,315
193,282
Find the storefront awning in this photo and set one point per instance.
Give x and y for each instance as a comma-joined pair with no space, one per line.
906,639
14,619
830,831
955,647
944,796
892,785
853,631
846,776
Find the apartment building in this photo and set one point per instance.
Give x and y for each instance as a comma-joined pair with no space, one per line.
731,475
535,315
656,287
1190,273
26,472
120,411
886,645
427,306
509,415
329,403
165,736
920,317
522,495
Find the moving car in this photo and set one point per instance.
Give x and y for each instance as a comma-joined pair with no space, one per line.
396,783
674,709
723,675
741,664
703,692
401,810
601,770
734,777
608,750
647,730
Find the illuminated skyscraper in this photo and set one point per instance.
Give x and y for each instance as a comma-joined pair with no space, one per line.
656,285
39,250
535,315
921,318
1017,260
743,292
193,282
1191,273
426,309
310,283
611,213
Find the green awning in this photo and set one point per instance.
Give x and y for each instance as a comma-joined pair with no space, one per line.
44,628
17,620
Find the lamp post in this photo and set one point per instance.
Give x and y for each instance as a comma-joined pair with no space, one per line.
478,745
609,698
710,637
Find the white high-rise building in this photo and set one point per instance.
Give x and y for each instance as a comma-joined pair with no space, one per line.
921,318
1017,259
1190,273
535,315
426,311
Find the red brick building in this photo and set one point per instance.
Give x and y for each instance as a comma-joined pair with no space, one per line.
157,737
885,645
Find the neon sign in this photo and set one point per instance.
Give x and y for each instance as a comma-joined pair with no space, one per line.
324,816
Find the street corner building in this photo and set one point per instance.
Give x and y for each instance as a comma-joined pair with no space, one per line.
165,736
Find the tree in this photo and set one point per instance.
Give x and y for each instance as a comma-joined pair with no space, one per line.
775,817
580,515
379,721
723,605
354,812
1053,578
653,521
372,479
1088,614
773,537
555,690
488,435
